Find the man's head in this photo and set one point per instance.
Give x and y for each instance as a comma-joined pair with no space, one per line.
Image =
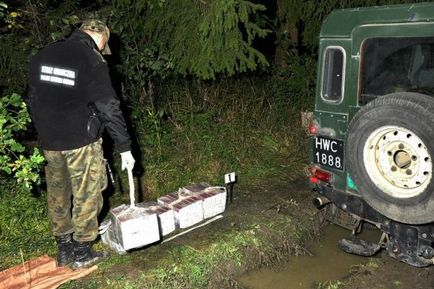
99,33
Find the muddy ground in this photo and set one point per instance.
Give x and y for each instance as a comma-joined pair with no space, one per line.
379,272
387,273
282,219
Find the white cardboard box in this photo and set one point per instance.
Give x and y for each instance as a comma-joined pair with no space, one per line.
188,211
165,215
168,199
134,227
213,201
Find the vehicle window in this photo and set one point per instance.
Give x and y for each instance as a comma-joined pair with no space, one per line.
332,75
394,64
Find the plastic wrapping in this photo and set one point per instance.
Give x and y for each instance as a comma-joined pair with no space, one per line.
131,228
145,223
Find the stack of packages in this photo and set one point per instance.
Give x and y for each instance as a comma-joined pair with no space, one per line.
195,203
130,226
165,216
128,229
182,209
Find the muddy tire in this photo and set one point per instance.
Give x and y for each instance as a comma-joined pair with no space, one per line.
389,152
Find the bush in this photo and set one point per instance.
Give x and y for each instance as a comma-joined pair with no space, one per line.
23,165
23,225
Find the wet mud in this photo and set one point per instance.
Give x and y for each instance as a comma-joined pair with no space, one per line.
388,273
326,262
328,267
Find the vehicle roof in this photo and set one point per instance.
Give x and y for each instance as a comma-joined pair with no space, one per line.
340,23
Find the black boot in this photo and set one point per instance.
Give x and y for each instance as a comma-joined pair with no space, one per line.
65,248
85,256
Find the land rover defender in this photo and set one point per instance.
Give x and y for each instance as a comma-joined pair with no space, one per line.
372,130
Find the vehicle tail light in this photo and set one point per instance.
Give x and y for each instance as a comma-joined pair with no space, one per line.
314,180
309,123
319,175
313,127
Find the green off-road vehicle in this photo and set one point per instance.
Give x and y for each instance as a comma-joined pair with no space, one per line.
372,143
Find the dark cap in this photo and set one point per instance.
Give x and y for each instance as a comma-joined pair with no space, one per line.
97,26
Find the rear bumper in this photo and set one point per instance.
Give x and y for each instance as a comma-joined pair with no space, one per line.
411,244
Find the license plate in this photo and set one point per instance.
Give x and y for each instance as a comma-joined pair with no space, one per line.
328,152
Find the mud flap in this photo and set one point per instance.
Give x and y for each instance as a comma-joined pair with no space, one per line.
357,246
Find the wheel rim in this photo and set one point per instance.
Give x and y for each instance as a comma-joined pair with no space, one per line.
397,161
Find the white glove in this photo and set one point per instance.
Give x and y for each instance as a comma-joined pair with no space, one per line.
127,160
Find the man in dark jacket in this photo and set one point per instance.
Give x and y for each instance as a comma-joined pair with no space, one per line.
71,100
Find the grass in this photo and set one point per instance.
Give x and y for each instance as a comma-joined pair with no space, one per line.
24,228
330,285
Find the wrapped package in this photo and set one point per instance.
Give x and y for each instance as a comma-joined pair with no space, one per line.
193,189
165,216
131,228
188,211
211,198
168,199
213,201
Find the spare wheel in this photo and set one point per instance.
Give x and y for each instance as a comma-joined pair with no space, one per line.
389,152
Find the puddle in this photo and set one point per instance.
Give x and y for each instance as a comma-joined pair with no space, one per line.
328,263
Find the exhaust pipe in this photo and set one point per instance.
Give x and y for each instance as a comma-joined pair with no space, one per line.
320,202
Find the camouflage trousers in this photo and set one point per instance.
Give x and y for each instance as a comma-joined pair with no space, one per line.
75,181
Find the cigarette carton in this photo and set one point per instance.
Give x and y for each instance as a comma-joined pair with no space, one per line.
165,216
213,201
188,211
134,227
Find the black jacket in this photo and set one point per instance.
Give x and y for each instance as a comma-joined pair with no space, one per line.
63,79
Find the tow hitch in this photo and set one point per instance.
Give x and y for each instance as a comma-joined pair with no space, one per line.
411,244
355,245
407,243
